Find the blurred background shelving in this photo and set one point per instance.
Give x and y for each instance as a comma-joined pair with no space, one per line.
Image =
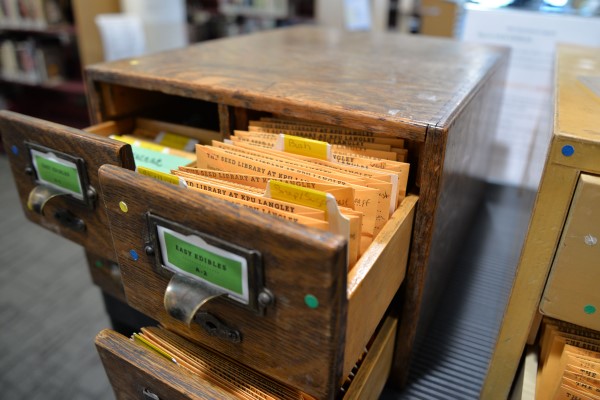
40,63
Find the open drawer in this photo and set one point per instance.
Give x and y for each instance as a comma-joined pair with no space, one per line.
137,372
56,171
305,320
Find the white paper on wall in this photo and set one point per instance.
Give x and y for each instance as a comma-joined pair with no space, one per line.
357,15
122,35
164,22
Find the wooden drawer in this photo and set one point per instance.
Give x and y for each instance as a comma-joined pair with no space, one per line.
136,372
571,293
318,317
106,274
62,193
78,216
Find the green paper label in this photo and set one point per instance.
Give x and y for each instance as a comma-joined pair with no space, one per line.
59,174
214,268
156,160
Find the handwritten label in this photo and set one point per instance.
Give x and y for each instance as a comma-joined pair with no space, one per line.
195,258
298,195
306,147
58,173
152,155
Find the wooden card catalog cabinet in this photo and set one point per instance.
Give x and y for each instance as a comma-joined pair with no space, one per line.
299,315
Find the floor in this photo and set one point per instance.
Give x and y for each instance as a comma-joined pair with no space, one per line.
50,311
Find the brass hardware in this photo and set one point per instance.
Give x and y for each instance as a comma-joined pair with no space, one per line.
185,296
39,197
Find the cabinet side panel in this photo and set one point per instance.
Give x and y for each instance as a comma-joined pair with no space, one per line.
449,198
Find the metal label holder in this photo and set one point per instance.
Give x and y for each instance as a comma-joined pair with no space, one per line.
43,191
185,295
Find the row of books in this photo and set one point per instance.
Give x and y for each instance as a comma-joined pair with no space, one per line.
569,362
32,62
33,14
255,8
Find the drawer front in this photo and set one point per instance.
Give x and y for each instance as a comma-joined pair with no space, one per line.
304,271
58,167
571,293
136,372
319,317
106,274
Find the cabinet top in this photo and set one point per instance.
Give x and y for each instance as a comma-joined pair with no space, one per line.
578,93
398,82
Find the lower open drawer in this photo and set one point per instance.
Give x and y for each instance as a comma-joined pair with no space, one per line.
138,372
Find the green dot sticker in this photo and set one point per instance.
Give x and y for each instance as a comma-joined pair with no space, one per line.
123,206
311,301
589,309
99,264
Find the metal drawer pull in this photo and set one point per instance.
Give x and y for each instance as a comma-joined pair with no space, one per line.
185,296
149,395
39,197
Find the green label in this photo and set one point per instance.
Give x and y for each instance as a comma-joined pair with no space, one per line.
207,265
58,174
156,160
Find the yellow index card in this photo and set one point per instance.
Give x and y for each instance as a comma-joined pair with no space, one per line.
298,195
338,223
303,146
146,343
162,176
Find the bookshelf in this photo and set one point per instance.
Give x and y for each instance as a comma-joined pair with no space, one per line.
210,19
40,60
44,44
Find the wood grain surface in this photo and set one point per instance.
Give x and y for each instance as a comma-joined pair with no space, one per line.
375,279
293,343
386,83
375,368
106,274
16,129
131,369
454,165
